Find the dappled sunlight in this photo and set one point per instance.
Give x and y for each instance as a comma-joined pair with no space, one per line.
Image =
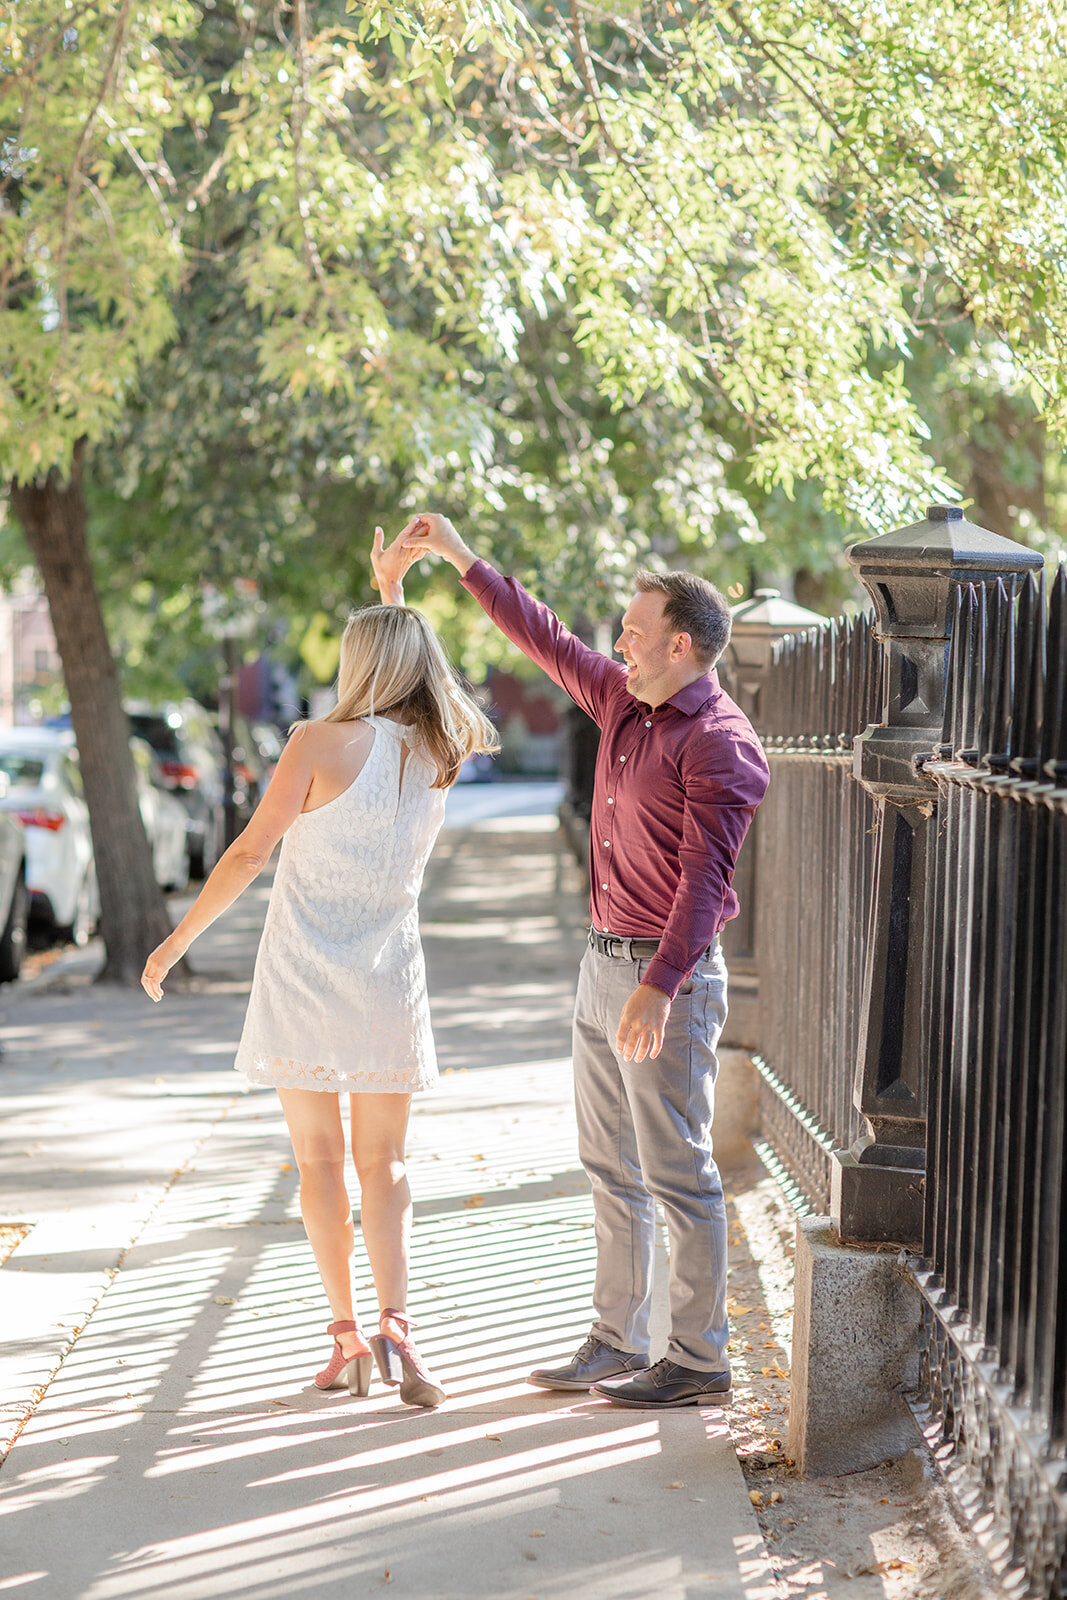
183,1424
193,1383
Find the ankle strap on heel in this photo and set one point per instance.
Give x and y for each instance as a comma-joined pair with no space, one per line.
343,1327
406,1322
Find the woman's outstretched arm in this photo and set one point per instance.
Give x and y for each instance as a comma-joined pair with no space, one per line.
238,866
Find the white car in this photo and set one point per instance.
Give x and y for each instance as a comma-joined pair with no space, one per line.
14,897
44,789
164,819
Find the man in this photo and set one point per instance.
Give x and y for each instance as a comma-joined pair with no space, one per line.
679,774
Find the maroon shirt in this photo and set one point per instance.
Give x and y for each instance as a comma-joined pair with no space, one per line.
675,788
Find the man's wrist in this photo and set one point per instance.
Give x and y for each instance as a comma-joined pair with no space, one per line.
462,559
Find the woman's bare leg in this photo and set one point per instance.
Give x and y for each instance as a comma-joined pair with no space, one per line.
317,1133
379,1133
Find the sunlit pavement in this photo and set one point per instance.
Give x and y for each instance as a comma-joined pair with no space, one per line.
163,1317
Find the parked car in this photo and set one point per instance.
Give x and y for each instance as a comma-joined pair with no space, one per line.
192,763
14,895
44,790
164,819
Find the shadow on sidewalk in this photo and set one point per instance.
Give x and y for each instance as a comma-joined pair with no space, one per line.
185,1443
182,1451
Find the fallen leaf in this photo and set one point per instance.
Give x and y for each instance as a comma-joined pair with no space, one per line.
877,1569
678,1485
756,1496
285,1166
225,1300
538,1533
774,1497
494,1436
475,1200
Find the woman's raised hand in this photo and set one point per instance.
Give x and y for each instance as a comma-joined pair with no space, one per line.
390,565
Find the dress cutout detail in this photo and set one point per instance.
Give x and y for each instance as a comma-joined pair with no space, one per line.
338,999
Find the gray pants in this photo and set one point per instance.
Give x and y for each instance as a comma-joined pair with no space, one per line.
644,1134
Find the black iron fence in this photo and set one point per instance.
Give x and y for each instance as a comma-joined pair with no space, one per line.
994,1273
815,846
989,922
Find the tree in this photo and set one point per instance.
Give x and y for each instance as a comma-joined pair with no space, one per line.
651,268
89,255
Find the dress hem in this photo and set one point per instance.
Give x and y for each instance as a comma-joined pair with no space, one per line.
277,1072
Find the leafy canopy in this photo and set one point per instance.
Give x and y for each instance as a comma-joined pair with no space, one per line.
606,280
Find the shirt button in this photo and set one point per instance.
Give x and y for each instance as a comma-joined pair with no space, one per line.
607,844
648,724
622,758
611,800
603,885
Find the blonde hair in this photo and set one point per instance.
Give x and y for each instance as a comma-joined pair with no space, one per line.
393,664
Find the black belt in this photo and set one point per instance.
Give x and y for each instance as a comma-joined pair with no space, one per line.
607,944
620,949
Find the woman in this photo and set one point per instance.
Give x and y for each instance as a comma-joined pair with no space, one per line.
338,1002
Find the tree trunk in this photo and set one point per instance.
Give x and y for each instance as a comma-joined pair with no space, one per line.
133,913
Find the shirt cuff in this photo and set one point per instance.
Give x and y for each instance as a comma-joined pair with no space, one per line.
478,578
661,975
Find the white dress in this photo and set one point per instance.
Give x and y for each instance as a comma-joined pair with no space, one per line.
338,998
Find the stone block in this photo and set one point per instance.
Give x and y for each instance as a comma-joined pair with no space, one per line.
855,1352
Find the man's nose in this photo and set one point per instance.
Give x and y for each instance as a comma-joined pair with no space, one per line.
617,646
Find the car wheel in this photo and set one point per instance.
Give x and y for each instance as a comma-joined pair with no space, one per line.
13,938
80,931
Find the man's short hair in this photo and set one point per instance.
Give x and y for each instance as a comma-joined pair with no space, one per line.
694,606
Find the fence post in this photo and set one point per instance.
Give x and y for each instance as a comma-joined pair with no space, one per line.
911,576
758,623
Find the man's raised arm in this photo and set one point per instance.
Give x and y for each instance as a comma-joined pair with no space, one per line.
589,678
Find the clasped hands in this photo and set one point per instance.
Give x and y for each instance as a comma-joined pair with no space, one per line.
426,534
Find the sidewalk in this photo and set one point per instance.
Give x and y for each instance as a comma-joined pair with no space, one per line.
162,1318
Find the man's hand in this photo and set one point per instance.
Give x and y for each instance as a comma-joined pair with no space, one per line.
641,1026
390,565
431,534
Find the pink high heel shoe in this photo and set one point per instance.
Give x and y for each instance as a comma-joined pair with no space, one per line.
353,1369
400,1363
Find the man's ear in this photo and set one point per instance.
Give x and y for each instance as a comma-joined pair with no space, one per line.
681,646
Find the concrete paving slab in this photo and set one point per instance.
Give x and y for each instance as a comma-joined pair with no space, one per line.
170,1317
569,1500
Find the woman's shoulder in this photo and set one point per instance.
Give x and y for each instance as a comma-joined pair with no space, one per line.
318,733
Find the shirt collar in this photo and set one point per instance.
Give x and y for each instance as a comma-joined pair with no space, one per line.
695,696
